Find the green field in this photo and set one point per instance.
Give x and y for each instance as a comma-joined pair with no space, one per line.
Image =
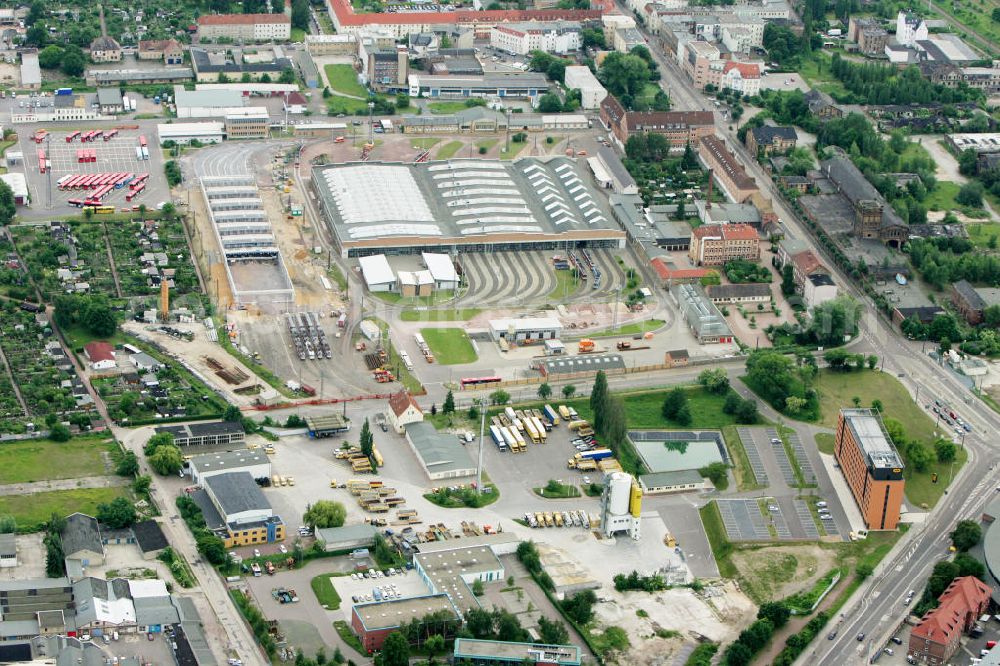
635,328
446,108
816,72
448,150
298,35
424,144
513,150
487,143
461,314
980,234
325,593
450,346
836,389
32,511
27,461
825,442
566,284
344,79
942,197
644,409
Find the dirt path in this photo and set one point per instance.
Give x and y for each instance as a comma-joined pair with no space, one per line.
795,624
10,376
63,484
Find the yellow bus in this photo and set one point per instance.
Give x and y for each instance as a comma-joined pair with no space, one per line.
101,210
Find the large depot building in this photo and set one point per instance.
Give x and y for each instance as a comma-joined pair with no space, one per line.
463,205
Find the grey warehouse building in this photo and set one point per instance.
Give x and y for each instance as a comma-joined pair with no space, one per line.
463,205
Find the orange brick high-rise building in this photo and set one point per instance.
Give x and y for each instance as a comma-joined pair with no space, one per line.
871,465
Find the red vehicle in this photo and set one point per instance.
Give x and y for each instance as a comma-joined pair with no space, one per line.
142,141
76,202
39,136
109,134
71,136
135,192
96,134
71,183
141,178
41,160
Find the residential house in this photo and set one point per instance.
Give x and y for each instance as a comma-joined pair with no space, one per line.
739,293
245,27
728,170
936,638
769,139
822,105
105,49
167,50
100,354
678,127
403,410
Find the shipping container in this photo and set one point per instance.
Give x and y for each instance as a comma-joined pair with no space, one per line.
498,438
551,415
539,427
596,454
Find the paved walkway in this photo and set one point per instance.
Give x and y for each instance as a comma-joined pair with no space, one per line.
63,484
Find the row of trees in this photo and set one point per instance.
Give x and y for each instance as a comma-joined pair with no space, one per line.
942,261
211,547
784,383
91,312
163,455
771,616
609,414
871,83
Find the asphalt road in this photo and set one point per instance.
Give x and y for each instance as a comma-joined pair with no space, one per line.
876,607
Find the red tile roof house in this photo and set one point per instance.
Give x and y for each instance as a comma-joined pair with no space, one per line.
936,638
100,354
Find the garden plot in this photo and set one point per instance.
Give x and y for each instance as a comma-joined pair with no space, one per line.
13,280
44,374
65,257
146,251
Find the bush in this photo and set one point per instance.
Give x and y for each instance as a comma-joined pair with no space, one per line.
580,607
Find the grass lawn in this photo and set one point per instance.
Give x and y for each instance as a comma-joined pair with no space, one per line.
464,498
635,328
487,143
450,346
942,197
566,285
446,108
565,491
515,150
745,478
816,71
836,390
344,80
298,35
919,488
31,460
349,637
31,511
980,234
77,337
424,144
448,150
325,592
460,314
349,106
825,442
716,533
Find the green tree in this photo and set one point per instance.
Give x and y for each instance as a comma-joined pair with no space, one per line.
966,535
683,416
499,397
971,194
672,404
434,645
477,588
232,413
395,651
300,14
117,514
872,361
449,403
73,63
568,391
737,654
50,57
366,439
141,484
624,74
877,405
775,611
552,632
714,380
324,513
166,460
716,473
787,279
970,566
59,433
549,103
599,399
287,75
156,441
580,606
747,412
944,450
919,456
55,558
544,390
7,206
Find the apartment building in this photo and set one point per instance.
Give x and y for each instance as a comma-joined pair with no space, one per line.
523,38
871,465
771,139
717,244
245,27
167,50
105,49
698,58
679,127
936,639
591,90
728,170
868,34
386,70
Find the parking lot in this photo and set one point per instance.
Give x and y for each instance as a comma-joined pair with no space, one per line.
115,155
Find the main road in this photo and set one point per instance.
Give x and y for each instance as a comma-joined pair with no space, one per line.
876,608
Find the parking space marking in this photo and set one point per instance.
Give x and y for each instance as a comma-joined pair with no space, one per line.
805,517
784,464
753,455
778,519
808,473
743,520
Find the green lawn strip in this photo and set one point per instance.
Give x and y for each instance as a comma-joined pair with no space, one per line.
344,79
487,143
644,409
403,376
448,150
814,512
566,491
31,460
762,504
349,106
450,346
346,635
942,197
33,510
463,497
298,35
460,314
825,443
745,478
715,531
337,276
512,150
802,602
981,233
837,389
325,593
425,143
783,433
635,328
446,108
566,285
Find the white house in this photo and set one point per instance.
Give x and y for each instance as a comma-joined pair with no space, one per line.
377,273
442,270
591,90
144,362
403,410
100,354
910,29
817,289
